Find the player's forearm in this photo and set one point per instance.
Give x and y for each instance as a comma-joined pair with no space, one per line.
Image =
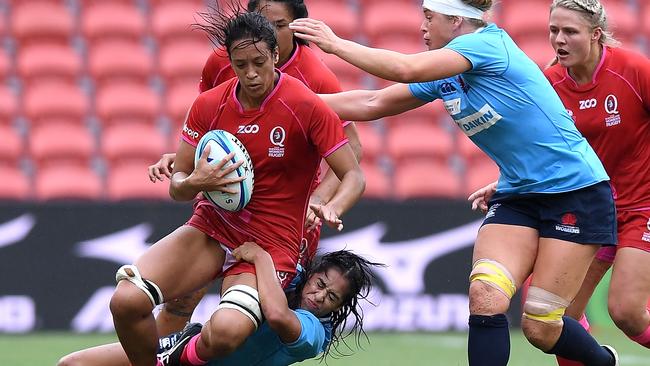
354,105
272,297
182,187
349,191
386,64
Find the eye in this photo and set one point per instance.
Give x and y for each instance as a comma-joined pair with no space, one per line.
321,284
332,297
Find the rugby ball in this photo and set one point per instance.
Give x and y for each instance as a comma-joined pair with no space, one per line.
221,144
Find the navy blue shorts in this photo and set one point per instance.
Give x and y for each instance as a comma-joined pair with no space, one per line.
584,216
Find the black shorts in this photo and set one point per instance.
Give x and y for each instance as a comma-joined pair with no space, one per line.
584,216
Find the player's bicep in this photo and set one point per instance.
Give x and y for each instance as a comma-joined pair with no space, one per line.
184,158
342,160
289,328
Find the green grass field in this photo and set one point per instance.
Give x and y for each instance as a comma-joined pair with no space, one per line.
446,349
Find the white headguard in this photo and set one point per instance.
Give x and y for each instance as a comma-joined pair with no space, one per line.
453,7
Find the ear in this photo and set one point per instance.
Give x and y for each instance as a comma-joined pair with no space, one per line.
276,55
597,33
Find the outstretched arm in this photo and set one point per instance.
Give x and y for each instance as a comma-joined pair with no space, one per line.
368,105
389,65
273,299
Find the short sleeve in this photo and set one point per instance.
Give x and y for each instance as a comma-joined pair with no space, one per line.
311,341
426,91
643,71
486,52
197,123
325,129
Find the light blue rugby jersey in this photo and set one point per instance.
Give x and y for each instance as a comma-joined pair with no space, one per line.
509,110
264,347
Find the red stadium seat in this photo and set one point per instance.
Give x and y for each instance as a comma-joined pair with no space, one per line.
623,20
8,105
108,19
33,21
377,181
5,64
15,184
61,143
397,19
45,61
371,140
425,178
183,60
480,173
67,182
173,20
467,149
523,18
538,49
337,15
132,142
130,182
645,21
11,147
178,101
428,114
51,101
419,141
120,60
127,102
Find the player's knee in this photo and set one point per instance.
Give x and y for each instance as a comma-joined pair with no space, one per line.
624,315
129,302
491,288
543,311
222,338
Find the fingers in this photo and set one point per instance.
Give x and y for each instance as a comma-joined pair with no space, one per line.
154,174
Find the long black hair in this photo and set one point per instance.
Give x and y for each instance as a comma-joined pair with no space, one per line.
357,270
226,25
297,8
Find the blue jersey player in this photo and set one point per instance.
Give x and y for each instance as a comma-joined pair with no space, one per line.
299,325
553,205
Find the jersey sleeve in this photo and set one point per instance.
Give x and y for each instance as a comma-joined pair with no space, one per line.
643,71
325,129
206,75
311,341
426,91
197,123
485,52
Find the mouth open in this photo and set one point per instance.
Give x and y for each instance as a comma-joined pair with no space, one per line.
562,53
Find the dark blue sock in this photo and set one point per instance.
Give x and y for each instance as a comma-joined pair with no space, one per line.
578,345
489,340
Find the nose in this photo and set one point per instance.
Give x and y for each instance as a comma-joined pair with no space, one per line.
251,73
319,296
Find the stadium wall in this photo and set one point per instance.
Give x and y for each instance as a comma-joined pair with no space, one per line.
58,261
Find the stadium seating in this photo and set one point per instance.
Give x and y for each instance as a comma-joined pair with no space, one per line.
11,147
183,60
118,60
8,105
53,144
623,20
140,142
173,19
37,21
62,182
479,173
379,19
5,64
127,103
130,182
15,184
338,15
409,141
178,100
371,140
54,101
538,48
377,181
418,178
48,62
110,19
524,18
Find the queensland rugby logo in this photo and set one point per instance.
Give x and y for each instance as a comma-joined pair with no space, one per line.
277,137
611,104
647,225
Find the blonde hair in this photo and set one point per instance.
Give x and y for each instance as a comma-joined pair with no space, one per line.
594,13
484,5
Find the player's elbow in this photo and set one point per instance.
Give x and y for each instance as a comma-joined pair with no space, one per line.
403,73
276,316
72,359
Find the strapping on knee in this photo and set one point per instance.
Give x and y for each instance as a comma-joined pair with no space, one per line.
244,299
130,273
494,274
544,306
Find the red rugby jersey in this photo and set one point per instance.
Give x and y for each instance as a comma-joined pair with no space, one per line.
286,138
613,113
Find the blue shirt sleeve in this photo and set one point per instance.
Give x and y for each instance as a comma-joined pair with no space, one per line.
426,91
312,336
485,51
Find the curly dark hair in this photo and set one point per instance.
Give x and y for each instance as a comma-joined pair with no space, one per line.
224,25
297,8
357,270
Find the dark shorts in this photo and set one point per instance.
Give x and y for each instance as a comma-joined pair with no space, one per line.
584,216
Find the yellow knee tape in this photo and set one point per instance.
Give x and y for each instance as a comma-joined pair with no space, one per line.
544,306
494,274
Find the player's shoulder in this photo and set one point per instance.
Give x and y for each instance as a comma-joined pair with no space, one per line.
219,92
624,59
294,89
555,73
